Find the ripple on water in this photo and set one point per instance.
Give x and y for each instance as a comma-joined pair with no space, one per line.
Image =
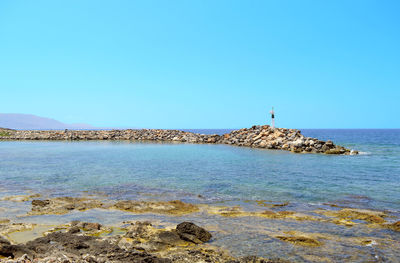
222,175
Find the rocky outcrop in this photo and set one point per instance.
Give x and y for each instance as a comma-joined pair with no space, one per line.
5,132
256,137
64,205
78,248
141,243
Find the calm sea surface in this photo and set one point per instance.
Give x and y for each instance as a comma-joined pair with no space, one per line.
216,172
222,174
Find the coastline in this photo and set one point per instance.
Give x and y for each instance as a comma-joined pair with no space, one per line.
151,240
279,229
263,137
131,241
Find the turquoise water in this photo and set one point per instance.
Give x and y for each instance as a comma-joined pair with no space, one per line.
222,175
211,173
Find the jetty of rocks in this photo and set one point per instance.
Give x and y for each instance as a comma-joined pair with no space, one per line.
256,137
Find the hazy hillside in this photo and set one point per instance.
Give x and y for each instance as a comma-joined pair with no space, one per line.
28,121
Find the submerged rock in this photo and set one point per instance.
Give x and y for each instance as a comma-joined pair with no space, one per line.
303,239
63,205
300,240
238,212
19,198
175,207
395,226
359,214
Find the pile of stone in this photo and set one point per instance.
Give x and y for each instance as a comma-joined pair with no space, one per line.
256,137
281,139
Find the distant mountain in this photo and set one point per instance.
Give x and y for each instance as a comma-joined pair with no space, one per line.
32,122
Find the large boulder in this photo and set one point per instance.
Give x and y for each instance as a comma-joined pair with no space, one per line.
193,233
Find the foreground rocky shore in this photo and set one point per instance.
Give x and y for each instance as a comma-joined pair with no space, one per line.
375,233
138,241
256,137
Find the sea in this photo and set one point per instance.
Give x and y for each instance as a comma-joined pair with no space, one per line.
225,175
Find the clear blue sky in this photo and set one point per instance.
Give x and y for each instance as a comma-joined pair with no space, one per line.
202,64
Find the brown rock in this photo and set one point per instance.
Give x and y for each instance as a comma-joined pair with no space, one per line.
395,226
13,251
191,232
301,240
91,226
74,230
41,203
169,237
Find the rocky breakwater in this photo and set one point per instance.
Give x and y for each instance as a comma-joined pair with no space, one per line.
282,139
256,137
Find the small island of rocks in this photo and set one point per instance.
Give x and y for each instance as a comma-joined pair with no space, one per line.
255,137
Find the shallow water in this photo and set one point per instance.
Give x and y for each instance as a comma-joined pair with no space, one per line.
219,174
216,172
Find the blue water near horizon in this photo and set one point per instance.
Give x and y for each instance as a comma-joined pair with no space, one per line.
203,173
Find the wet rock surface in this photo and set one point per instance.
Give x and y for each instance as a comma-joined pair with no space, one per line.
256,137
64,205
345,216
9,250
141,243
175,207
79,248
370,216
300,240
395,226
